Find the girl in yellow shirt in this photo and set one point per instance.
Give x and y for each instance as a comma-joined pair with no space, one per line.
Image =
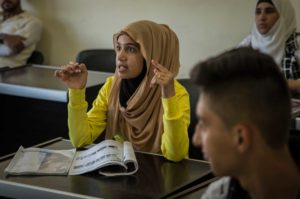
142,102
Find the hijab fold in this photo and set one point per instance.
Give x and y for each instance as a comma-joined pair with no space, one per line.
273,43
141,122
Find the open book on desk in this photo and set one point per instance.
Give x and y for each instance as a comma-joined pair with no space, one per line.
109,157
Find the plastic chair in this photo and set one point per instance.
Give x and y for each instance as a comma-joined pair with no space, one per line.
98,59
194,92
36,57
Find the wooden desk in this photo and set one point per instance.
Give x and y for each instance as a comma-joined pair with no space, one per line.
156,178
34,105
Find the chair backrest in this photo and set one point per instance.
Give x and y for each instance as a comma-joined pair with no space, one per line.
194,92
98,59
36,57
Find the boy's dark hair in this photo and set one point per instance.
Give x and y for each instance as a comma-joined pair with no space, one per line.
244,85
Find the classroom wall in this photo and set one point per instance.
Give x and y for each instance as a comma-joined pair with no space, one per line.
204,28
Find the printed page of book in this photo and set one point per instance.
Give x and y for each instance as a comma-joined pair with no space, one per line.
40,161
129,159
107,152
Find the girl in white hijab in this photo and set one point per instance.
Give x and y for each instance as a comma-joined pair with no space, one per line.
274,33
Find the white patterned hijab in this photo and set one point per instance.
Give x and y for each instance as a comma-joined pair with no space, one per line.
273,43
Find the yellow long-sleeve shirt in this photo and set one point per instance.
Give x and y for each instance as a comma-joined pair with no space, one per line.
85,127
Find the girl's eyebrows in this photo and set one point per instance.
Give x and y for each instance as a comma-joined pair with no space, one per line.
128,44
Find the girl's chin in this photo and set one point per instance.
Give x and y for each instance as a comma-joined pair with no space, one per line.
123,75
263,31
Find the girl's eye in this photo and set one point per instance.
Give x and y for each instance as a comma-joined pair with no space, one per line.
131,49
266,11
270,10
118,48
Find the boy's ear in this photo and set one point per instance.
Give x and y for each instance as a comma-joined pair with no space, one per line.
242,137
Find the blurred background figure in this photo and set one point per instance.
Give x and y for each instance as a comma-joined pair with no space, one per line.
274,33
19,34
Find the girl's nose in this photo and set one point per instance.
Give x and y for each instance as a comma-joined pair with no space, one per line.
262,16
121,54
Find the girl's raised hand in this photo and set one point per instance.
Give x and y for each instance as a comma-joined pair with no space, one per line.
164,78
73,74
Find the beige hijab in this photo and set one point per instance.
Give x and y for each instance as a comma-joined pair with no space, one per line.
141,121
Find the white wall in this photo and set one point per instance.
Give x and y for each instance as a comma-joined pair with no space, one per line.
204,27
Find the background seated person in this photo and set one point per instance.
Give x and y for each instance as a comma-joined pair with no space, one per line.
142,102
19,34
274,33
